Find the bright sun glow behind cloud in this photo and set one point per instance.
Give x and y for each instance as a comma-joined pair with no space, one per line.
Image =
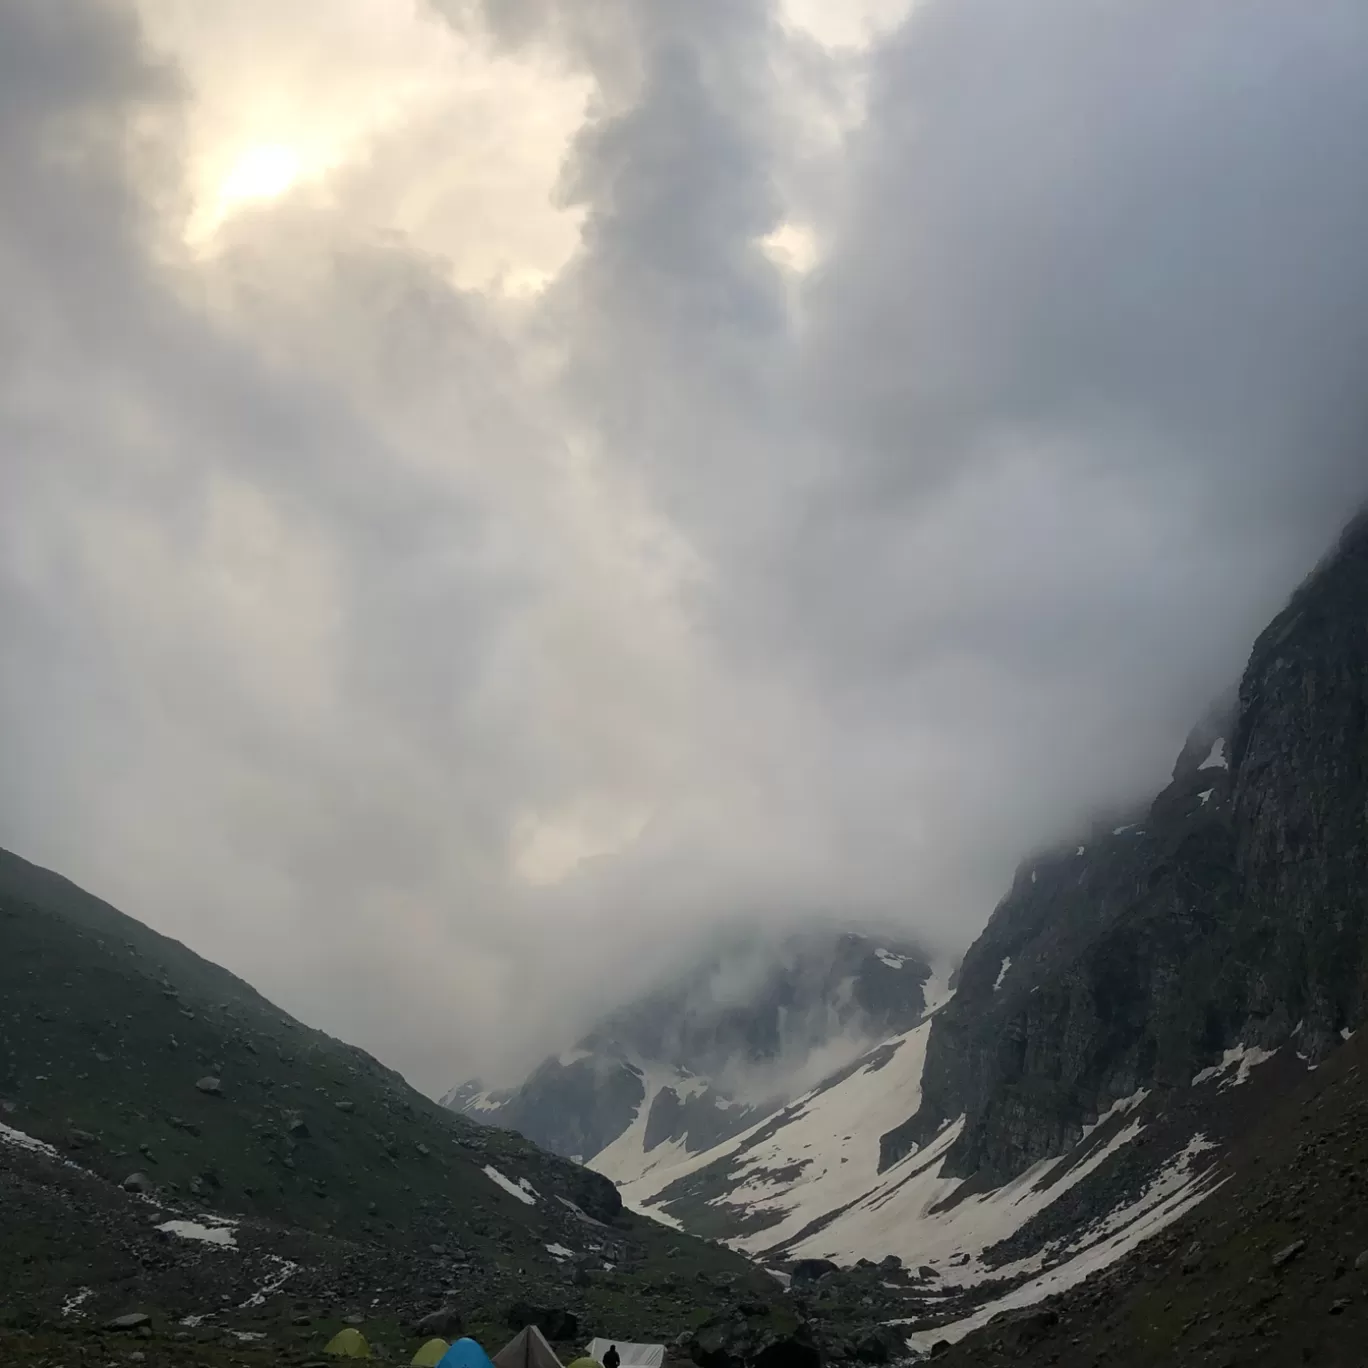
424,130
261,172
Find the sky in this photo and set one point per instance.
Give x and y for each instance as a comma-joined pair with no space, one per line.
495,491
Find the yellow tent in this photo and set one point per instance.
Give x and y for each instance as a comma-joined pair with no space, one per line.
585,1363
430,1355
348,1343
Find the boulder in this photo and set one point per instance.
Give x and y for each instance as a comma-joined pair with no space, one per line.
444,1323
134,1320
210,1085
137,1182
730,1342
554,1322
810,1270
1019,1330
879,1344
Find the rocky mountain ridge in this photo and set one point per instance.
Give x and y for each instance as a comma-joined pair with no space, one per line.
1138,1003
1234,916
710,1052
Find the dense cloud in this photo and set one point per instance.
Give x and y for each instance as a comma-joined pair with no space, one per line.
457,580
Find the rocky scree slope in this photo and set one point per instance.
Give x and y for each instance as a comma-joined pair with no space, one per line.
1270,1269
712,1051
143,1087
1233,913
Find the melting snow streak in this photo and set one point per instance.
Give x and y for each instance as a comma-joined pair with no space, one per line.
522,1189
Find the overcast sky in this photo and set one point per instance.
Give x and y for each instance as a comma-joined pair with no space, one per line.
491,489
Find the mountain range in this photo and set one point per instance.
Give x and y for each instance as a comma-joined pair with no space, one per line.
710,1052
1141,1002
1129,1126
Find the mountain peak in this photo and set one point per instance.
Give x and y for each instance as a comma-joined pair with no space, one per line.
711,1050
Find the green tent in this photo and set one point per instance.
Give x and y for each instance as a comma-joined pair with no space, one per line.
430,1355
348,1343
585,1363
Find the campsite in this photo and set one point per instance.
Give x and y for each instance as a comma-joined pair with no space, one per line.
529,1348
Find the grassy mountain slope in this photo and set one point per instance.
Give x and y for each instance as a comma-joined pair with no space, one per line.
324,1157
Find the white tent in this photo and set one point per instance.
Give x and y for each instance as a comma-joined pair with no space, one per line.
632,1355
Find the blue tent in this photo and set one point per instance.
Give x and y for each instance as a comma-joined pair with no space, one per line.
465,1353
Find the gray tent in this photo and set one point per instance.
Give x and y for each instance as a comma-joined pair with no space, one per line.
527,1349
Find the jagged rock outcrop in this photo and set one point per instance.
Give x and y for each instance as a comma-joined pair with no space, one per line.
1234,912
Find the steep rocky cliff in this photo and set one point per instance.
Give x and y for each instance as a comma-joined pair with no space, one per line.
1233,913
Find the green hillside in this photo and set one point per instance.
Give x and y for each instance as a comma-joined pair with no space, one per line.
109,1034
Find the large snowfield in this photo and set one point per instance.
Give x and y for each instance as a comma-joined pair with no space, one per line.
812,1172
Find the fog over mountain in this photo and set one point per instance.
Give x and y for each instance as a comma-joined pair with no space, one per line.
494,493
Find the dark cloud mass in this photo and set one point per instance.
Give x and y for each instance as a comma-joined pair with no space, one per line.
366,628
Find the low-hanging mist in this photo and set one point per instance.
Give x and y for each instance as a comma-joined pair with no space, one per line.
460,554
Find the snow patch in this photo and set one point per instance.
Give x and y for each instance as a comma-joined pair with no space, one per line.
836,1129
522,1189
1081,849
1216,756
936,991
1346,1033
285,1269
559,1251
1002,972
889,958
1245,1057
833,1135
1173,1192
27,1142
625,1158
1205,796
910,1213
73,1303
1118,1108
193,1230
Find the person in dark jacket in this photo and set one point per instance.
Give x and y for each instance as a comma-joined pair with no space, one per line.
612,1358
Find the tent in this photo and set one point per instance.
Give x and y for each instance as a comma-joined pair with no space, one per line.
632,1355
430,1354
585,1363
348,1343
527,1349
465,1353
